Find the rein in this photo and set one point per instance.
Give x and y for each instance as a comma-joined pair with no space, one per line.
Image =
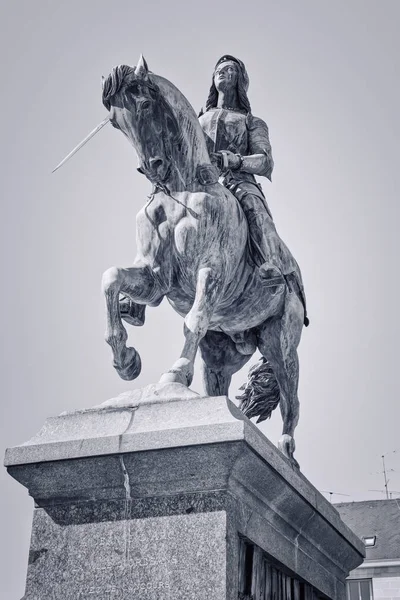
206,174
160,187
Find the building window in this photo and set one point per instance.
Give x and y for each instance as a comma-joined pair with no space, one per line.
359,589
369,541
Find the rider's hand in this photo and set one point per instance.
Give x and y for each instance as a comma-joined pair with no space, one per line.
217,159
234,161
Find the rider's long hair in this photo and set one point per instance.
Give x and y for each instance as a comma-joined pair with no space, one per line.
242,85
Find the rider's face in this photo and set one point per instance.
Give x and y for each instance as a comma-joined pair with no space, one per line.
226,76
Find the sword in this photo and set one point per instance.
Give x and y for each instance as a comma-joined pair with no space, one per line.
82,143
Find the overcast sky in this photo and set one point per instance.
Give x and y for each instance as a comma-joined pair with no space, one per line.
325,77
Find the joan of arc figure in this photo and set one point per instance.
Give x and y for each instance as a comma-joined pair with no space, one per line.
238,142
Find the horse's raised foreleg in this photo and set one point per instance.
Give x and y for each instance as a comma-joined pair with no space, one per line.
197,320
139,284
278,341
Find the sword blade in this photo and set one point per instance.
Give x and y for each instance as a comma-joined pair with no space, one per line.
82,143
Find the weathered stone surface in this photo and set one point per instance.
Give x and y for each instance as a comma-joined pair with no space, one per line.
158,548
154,491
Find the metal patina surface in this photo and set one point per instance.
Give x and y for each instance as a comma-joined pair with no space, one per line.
215,255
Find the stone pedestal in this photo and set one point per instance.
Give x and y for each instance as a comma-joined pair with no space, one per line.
161,494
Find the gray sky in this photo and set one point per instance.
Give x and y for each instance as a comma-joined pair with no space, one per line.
325,77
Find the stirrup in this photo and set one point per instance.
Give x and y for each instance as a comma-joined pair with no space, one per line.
132,313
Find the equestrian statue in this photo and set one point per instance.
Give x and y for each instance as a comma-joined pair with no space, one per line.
207,242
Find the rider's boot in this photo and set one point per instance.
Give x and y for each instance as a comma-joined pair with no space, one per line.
266,247
271,270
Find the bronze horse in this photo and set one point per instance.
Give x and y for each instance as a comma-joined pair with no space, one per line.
192,249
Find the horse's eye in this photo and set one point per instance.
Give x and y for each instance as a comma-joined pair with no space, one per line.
145,104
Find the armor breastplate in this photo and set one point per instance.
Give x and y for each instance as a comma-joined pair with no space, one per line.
225,130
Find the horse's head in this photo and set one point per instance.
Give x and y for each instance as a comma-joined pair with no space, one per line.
157,120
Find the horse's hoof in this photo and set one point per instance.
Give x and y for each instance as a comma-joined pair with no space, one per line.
181,372
287,446
172,377
130,365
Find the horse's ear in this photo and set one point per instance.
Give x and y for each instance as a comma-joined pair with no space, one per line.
102,81
141,69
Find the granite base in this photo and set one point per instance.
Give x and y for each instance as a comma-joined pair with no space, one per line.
151,495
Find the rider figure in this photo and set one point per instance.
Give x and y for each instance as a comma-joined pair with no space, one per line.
239,144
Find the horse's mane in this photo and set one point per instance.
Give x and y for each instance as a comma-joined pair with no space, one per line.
183,110
113,83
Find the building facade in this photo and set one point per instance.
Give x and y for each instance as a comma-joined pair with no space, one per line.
377,523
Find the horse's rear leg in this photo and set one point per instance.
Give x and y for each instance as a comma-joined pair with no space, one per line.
139,284
196,324
220,360
290,407
278,341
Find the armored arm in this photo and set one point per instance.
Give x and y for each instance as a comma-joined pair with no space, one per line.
260,151
259,161
258,164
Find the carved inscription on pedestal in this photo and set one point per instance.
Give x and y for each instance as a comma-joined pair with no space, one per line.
176,556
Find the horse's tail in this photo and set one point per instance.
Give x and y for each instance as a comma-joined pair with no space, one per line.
261,392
